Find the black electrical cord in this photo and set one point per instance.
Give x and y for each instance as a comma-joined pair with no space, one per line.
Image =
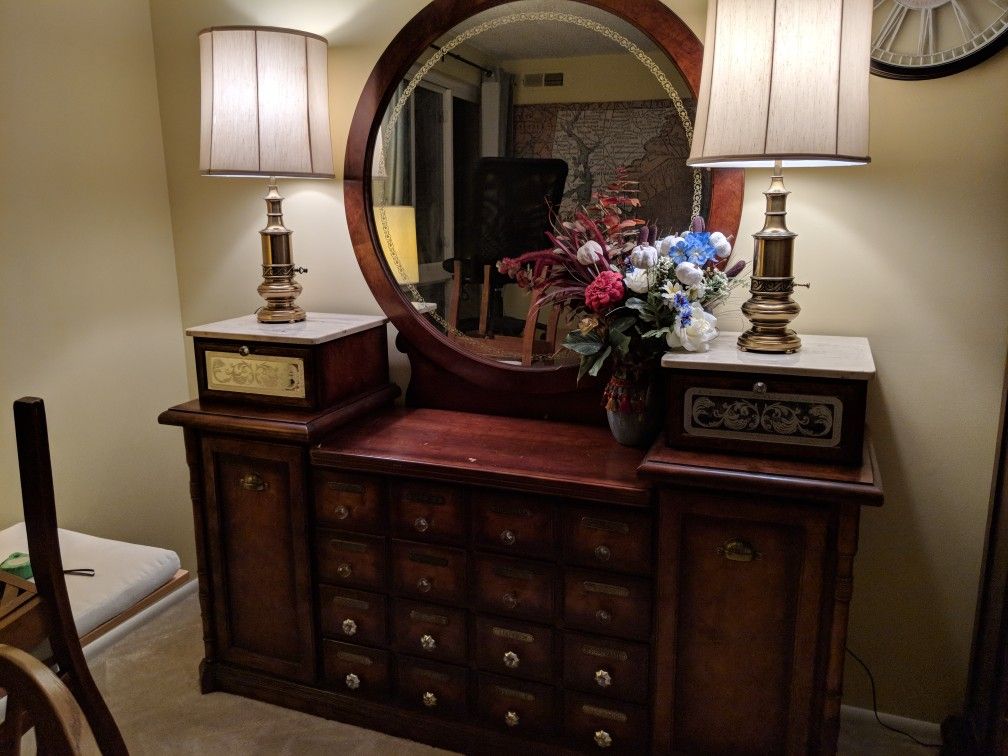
874,701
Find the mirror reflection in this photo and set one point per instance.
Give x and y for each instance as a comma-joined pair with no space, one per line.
511,123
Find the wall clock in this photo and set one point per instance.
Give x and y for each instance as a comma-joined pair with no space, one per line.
925,39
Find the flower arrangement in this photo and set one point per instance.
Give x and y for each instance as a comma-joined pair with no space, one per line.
633,292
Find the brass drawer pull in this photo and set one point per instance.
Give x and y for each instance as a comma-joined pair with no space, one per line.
519,695
424,585
604,653
252,482
509,600
603,678
430,619
427,642
420,525
342,512
508,537
738,550
503,509
352,681
511,660
344,570
515,635
355,488
429,700
511,719
593,523
603,616
597,711
603,739
609,590
349,627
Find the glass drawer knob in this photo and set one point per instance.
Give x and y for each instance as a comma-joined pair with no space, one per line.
349,627
510,600
352,681
511,660
342,512
603,739
420,525
344,570
603,678
603,616
602,553
423,585
427,642
243,351
429,700
508,537
759,387
511,719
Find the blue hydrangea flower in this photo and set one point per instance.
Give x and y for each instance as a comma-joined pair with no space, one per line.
685,309
694,247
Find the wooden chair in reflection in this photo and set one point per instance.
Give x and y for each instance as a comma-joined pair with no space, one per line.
512,201
46,616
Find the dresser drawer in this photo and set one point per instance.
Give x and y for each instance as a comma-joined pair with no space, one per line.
432,687
429,572
606,667
616,539
514,524
610,604
601,725
349,502
356,670
353,615
429,631
513,587
514,648
427,511
351,559
516,706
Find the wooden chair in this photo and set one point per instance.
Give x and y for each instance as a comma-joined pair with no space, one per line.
47,564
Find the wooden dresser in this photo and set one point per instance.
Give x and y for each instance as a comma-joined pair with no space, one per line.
497,584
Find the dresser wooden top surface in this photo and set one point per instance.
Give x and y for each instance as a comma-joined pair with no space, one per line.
564,459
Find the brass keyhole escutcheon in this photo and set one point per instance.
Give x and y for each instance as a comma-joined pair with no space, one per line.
511,719
429,700
428,643
252,482
738,550
511,660
352,681
349,627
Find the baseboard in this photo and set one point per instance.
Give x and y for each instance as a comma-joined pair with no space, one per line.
929,732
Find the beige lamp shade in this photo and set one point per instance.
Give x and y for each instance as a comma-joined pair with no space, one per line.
396,226
264,106
784,80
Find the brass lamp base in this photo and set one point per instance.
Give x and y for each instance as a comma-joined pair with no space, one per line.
770,310
278,287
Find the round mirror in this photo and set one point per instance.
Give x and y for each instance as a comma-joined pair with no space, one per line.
478,139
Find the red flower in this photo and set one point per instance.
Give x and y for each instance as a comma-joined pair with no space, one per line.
605,291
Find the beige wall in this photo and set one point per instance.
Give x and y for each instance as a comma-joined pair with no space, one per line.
591,78
88,297
909,251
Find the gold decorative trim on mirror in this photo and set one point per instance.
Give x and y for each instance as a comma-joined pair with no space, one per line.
439,55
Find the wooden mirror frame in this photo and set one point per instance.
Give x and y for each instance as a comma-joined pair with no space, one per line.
652,18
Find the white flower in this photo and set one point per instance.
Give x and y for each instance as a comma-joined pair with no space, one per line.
688,274
589,253
665,245
694,337
643,256
637,281
722,247
670,289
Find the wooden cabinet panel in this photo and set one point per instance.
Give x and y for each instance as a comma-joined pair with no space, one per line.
430,631
515,648
594,724
256,522
356,670
516,706
514,523
438,689
353,615
606,667
427,511
429,572
349,502
749,581
610,604
608,538
514,587
351,559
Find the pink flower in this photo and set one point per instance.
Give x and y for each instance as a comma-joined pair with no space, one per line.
605,291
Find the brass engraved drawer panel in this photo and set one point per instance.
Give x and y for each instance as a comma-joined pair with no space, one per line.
515,705
427,512
594,724
514,587
434,688
430,631
349,502
353,615
514,648
609,604
351,559
607,538
356,670
433,573
516,524
606,667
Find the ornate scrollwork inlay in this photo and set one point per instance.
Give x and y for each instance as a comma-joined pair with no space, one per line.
758,284
780,418
267,375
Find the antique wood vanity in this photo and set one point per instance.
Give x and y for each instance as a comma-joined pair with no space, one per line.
484,568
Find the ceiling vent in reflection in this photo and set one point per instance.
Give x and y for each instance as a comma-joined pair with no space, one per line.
543,80
553,80
532,80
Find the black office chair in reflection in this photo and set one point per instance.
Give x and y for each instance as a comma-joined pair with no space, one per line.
511,201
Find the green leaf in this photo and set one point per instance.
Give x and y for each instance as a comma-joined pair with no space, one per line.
582,344
594,370
635,304
656,333
622,324
586,362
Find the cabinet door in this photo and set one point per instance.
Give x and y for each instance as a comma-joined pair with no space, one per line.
741,622
259,557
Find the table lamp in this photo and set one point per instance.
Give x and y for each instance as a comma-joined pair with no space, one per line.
784,83
264,111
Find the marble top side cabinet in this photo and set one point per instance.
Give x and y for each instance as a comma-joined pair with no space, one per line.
492,584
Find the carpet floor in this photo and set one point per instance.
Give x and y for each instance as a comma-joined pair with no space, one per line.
149,679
